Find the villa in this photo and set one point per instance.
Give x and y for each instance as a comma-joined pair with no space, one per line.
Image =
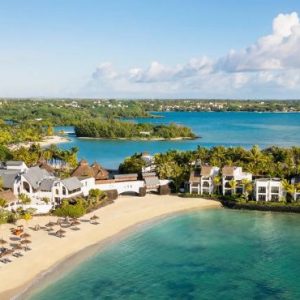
202,182
268,189
236,175
46,191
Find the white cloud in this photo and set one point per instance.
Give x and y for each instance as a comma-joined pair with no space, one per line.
268,68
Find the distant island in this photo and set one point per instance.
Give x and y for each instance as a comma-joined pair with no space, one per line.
60,112
115,129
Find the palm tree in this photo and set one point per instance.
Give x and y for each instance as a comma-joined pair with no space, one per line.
247,187
289,188
233,184
217,183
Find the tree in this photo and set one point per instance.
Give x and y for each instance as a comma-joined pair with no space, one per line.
289,188
74,210
25,199
27,216
217,180
3,202
247,188
133,164
46,200
233,184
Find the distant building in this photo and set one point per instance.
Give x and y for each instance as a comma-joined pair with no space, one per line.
149,162
236,174
267,189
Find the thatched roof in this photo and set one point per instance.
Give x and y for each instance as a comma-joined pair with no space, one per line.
195,176
206,170
228,171
43,165
95,170
99,172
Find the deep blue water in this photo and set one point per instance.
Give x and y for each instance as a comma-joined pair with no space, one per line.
212,254
227,129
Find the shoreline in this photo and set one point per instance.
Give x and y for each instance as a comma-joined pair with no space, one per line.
117,220
45,142
140,139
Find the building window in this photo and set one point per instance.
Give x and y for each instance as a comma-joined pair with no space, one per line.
26,186
57,192
261,198
262,189
205,184
64,191
275,198
275,189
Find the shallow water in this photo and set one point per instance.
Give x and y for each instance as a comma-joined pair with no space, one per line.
227,129
210,254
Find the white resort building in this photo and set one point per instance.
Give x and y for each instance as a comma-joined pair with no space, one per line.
202,181
268,189
235,174
45,190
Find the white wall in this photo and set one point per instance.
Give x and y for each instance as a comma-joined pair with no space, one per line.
121,187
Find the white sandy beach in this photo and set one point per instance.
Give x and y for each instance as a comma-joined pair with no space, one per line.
48,250
47,141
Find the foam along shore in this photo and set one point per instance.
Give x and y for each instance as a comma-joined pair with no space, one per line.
49,251
47,141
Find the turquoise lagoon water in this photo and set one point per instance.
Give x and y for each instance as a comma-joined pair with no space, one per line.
227,129
212,254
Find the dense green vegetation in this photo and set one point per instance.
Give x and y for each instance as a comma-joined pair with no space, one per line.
32,155
74,111
241,203
23,132
118,129
222,105
68,112
177,165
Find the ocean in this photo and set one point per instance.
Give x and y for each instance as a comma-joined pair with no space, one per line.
209,254
227,129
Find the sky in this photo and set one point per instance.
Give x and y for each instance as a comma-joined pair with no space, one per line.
246,49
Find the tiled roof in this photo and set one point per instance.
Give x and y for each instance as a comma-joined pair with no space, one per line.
72,183
35,175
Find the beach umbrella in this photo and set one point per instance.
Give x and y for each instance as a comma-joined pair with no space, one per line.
94,218
25,235
60,232
8,252
3,242
37,227
76,222
17,247
25,242
50,224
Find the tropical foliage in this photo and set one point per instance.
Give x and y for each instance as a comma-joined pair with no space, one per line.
270,162
110,128
73,210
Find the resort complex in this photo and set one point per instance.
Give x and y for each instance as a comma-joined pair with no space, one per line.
208,180
39,188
